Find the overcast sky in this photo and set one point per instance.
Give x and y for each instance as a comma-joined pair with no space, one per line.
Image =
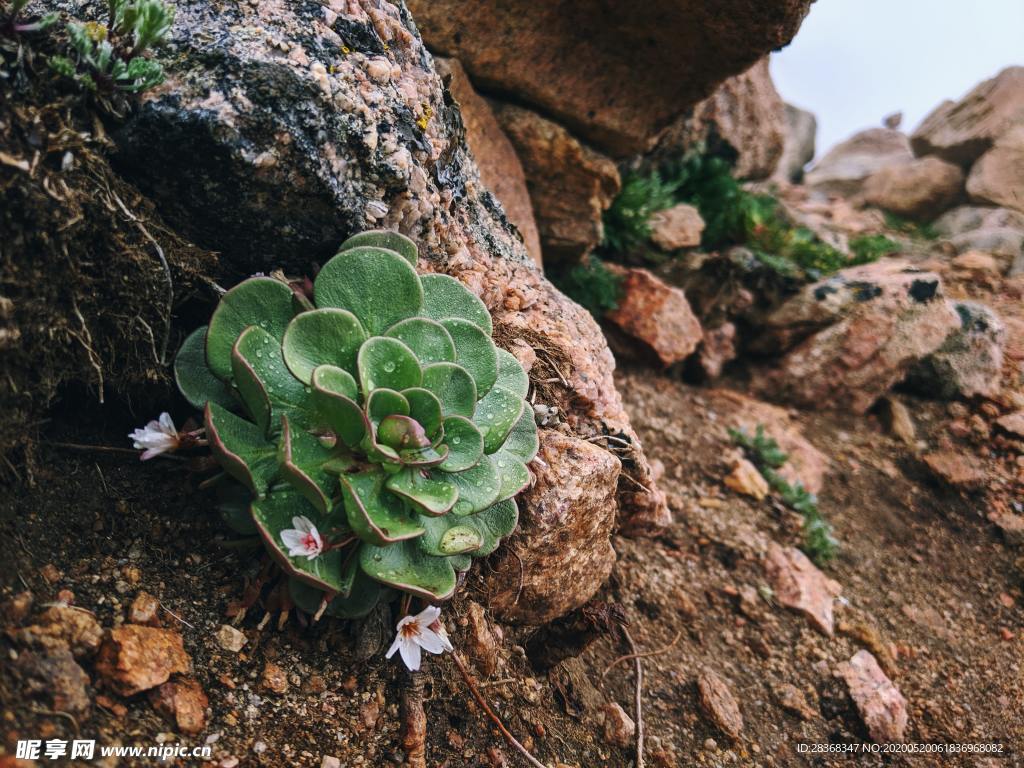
855,61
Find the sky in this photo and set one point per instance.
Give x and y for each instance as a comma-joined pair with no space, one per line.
855,61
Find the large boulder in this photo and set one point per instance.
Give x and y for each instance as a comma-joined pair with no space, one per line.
616,73
744,116
962,131
798,146
284,128
570,184
920,189
967,218
997,178
496,158
843,170
862,330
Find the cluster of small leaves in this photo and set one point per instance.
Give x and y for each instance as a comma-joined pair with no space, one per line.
914,229
377,410
590,284
109,58
627,221
868,248
819,542
732,216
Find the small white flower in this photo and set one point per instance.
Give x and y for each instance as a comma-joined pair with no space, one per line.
420,631
303,539
159,436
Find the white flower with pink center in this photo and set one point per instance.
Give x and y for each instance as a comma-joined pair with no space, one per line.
422,631
158,436
303,540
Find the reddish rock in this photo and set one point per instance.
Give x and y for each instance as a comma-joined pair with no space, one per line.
145,609
570,184
616,73
882,707
561,553
799,585
16,609
920,189
718,347
273,679
134,658
1010,524
677,227
619,727
963,470
1012,423
500,169
962,131
482,646
656,314
876,322
745,113
998,176
977,263
844,168
719,704
806,464
54,676
183,702
792,700
744,478
62,627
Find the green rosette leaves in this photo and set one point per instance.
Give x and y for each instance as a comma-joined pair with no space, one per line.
374,436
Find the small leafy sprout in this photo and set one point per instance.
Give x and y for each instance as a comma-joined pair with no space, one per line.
158,436
627,222
378,435
422,632
819,542
110,58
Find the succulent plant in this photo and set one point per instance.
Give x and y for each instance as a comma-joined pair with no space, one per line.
381,415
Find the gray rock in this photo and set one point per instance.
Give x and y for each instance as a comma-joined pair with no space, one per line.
844,168
965,218
970,361
1005,244
799,146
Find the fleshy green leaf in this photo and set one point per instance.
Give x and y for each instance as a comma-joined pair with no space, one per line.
475,352
406,567
465,444
511,375
445,297
522,442
494,523
428,339
376,515
478,486
259,301
333,395
323,336
513,475
241,448
362,598
194,377
276,513
267,387
302,459
496,414
429,495
453,386
233,504
384,238
383,403
479,534
425,408
389,363
378,286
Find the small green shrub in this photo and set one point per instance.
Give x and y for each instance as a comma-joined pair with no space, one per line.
110,58
914,229
819,542
590,284
868,248
627,221
374,436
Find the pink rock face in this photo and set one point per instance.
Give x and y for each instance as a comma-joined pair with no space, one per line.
880,703
920,189
565,523
717,349
1012,423
844,168
872,323
998,176
677,227
135,658
656,314
799,585
961,131
958,469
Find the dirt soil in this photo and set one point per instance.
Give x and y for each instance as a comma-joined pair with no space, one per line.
926,578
